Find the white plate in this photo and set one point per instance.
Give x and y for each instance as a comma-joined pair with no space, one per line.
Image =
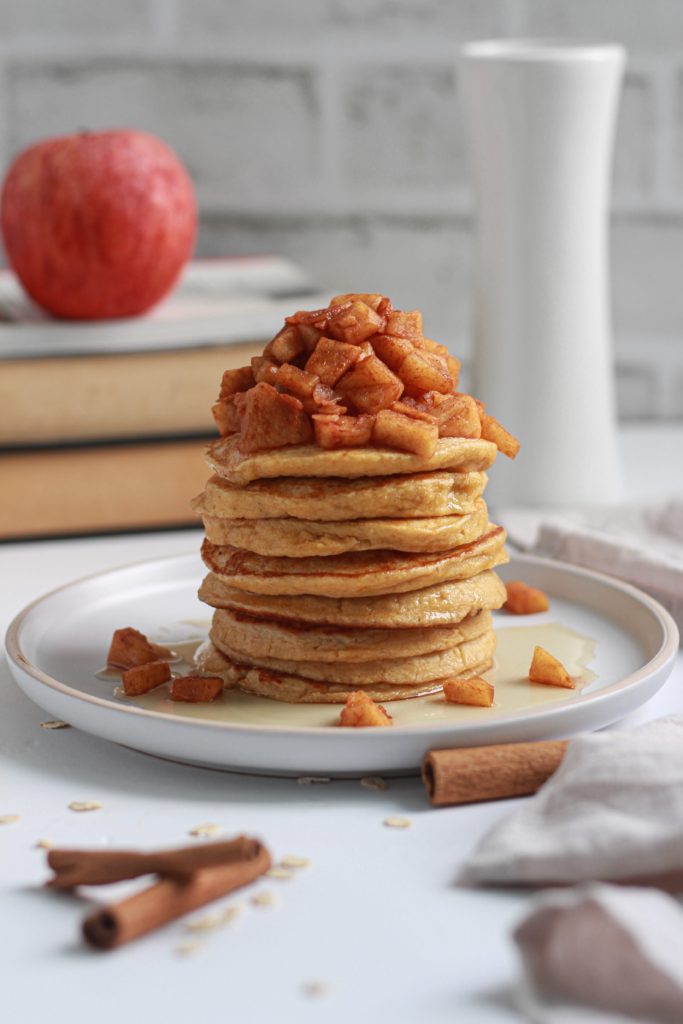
56,645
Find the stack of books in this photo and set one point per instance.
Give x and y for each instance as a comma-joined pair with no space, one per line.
103,424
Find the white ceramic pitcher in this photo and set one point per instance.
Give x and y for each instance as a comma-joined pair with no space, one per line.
540,121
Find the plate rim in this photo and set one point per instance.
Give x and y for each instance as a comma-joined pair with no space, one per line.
667,651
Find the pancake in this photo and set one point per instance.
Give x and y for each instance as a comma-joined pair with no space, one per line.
463,454
298,538
443,604
416,669
261,638
355,574
294,689
334,499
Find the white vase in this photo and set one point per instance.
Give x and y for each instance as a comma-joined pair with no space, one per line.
540,121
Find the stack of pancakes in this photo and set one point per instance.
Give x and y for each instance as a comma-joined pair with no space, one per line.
362,568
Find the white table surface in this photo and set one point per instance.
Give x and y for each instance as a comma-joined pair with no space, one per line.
377,916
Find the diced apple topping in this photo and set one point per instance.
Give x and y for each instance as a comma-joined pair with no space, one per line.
355,323
392,350
504,441
342,431
395,430
458,416
299,382
226,416
130,647
331,359
236,380
269,419
405,325
361,711
358,372
425,371
287,345
264,369
372,300
370,385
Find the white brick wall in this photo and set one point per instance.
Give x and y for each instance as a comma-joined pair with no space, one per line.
330,130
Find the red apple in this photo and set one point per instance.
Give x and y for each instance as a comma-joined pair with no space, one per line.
98,224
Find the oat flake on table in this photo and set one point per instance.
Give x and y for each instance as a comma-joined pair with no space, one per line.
209,922
209,829
397,822
316,988
85,805
9,819
189,948
263,899
373,782
291,860
282,873
55,723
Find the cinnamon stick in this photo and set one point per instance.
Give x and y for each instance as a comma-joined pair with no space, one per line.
101,867
472,774
243,861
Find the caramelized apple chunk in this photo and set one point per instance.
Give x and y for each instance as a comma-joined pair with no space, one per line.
299,382
330,360
370,299
355,323
404,325
370,385
392,350
361,710
142,678
236,380
414,412
317,317
458,416
504,441
525,600
323,400
546,669
226,416
196,689
264,369
130,647
342,431
310,337
396,430
474,691
425,371
271,420
287,345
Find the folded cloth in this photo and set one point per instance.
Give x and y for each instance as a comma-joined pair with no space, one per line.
605,948
640,544
613,811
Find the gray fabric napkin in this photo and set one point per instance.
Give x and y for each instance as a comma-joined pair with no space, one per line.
613,810
598,954
641,544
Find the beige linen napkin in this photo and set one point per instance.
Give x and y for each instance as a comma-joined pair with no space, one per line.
637,543
597,954
612,811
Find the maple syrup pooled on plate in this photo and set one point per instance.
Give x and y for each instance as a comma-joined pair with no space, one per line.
514,692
